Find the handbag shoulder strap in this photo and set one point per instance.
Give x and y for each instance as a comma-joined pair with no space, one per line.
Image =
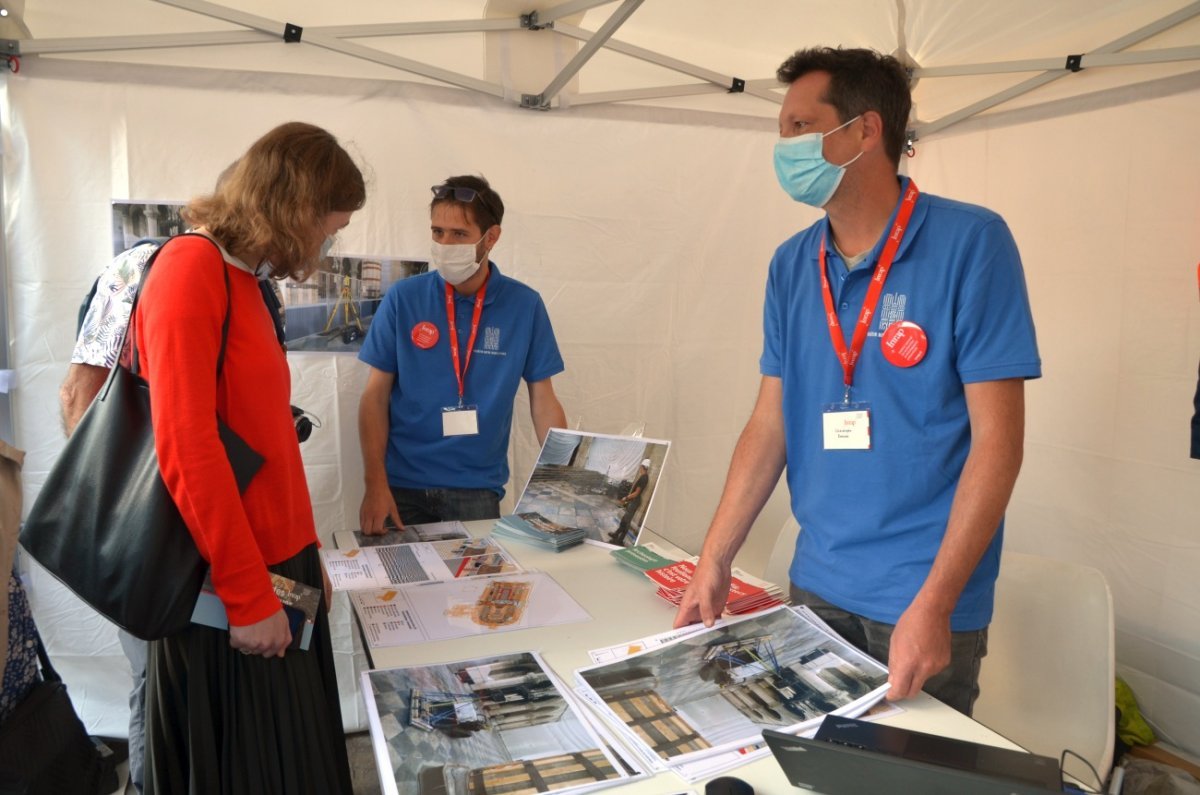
48,672
134,364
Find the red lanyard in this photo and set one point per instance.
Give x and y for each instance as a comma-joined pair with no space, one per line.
461,373
849,358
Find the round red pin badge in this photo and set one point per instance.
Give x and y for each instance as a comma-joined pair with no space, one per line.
904,343
424,334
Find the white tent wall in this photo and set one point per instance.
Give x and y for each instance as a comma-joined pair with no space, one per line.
1103,205
649,241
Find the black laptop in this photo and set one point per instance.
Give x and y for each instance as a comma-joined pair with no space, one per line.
850,756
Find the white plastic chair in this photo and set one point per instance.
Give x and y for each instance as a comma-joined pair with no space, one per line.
776,568
1047,680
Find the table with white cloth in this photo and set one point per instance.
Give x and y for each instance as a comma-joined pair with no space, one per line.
623,607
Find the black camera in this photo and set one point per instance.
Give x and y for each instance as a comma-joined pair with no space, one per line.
304,426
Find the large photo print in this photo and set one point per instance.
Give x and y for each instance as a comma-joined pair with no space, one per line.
717,689
329,311
493,724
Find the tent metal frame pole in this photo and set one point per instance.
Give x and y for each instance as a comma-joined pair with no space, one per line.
418,28
7,428
727,82
555,13
360,51
1116,45
635,94
150,41
1086,60
591,47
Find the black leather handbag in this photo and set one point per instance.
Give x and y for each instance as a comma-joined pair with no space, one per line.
104,524
44,748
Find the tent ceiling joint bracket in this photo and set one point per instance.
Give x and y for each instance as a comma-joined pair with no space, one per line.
1074,63
292,33
737,86
10,47
534,102
530,22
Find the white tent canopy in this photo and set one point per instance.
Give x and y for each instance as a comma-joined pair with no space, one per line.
642,205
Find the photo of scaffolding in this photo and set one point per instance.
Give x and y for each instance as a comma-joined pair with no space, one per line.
590,483
330,311
717,689
488,725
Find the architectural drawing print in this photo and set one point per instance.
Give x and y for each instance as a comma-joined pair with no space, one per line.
500,605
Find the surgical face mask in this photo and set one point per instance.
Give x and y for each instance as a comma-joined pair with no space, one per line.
456,262
326,247
803,171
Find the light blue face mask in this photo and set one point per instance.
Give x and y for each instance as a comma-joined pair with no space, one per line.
802,170
326,247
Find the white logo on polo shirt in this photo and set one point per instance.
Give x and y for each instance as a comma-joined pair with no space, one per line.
491,338
891,312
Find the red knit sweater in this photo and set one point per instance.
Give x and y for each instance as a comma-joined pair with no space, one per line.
177,331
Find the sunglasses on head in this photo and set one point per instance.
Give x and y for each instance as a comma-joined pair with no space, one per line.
459,194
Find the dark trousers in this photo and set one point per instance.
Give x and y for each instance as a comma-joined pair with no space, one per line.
618,535
956,685
422,506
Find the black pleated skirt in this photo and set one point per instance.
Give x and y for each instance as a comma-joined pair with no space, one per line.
219,722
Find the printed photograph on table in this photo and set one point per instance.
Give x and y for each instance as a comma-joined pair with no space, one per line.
488,725
717,689
420,562
329,311
592,486
413,534
460,608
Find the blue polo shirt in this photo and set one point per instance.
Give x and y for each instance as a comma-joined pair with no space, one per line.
514,341
873,520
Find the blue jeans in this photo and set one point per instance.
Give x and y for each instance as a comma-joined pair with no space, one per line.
956,685
135,649
422,506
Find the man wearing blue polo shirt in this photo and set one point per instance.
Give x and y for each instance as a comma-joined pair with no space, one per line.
897,339
447,351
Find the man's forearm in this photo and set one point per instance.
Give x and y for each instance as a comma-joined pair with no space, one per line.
758,461
545,410
77,392
982,495
373,438
754,471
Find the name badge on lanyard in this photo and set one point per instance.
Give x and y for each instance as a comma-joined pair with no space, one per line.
847,425
460,419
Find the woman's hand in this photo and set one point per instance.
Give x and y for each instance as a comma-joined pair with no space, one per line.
269,637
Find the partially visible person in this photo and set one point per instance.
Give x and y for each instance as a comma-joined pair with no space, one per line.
631,502
97,348
235,711
18,636
447,352
897,337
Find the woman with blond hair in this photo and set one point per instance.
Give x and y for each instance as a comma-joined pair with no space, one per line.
237,711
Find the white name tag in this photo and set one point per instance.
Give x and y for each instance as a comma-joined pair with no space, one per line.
460,421
847,427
